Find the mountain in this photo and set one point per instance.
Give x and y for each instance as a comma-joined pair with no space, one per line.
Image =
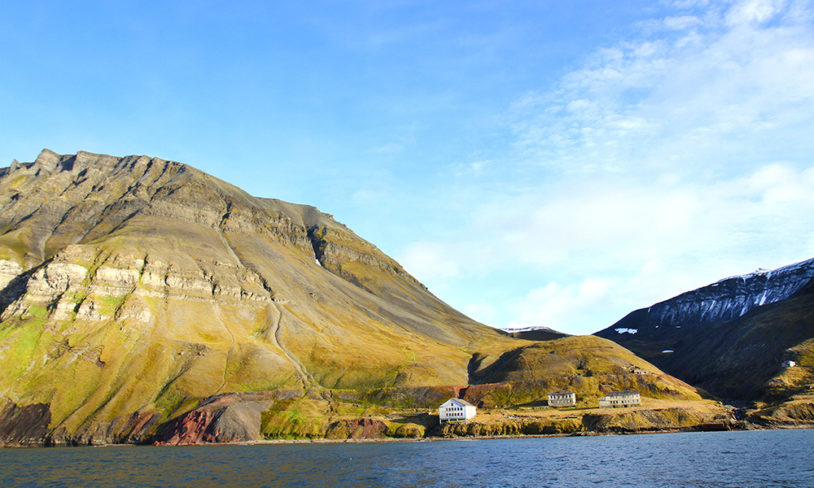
140,296
732,336
535,333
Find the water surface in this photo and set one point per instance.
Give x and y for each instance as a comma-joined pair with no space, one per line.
703,459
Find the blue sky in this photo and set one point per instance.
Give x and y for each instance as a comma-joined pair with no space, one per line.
534,163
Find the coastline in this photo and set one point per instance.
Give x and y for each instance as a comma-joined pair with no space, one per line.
655,416
390,440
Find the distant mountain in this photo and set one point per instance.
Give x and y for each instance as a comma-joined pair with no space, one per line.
144,299
535,333
732,336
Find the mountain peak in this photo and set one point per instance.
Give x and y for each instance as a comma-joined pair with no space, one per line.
47,160
134,288
730,336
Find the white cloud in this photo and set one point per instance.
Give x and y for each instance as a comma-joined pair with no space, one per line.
681,22
658,165
751,11
556,305
683,4
679,96
639,240
482,312
430,261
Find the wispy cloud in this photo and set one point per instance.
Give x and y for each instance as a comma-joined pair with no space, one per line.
646,241
557,305
431,260
683,93
660,163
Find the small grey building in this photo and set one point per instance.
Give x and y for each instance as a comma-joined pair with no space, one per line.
561,398
625,398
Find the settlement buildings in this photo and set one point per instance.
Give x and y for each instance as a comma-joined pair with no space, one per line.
626,398
561,398
456,409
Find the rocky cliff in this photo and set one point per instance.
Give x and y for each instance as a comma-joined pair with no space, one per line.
142,282
732,337
143,300
726,299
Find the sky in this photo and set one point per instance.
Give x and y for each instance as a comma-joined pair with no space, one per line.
534,163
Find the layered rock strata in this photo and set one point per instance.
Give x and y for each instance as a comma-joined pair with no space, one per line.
144,284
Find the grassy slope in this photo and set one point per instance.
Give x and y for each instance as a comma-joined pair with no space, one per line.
192,228
739,359
314,417
357,321
587,365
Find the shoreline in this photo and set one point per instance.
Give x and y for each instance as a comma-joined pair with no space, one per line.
387,440
705,427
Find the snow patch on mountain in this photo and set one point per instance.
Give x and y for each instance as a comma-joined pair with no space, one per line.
733,297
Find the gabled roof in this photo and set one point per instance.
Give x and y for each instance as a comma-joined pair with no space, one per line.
459,401
561,392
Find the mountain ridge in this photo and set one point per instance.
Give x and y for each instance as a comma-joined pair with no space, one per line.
138,292
216,287
731,337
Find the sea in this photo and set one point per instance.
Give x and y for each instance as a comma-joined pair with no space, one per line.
764,458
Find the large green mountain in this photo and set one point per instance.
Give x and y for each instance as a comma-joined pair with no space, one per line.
133,288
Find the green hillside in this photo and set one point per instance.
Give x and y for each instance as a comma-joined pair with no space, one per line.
134,288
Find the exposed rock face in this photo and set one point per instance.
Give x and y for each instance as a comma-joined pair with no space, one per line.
795,413
723,300
226,418
128,285
237,418
139,293
364,428
520,427
8,271
23,426
730,337
655,420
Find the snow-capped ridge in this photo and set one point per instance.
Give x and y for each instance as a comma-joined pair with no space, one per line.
728,298
769,272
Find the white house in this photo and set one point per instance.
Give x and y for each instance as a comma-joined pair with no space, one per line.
789,364
456,409
561,398
626,398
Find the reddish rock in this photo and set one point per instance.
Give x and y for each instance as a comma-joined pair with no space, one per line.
479,395
224,418
364,428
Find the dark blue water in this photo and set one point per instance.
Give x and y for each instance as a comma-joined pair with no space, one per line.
704,459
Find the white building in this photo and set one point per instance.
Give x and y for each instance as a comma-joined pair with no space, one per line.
456,409
626,398
561,398
789,364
